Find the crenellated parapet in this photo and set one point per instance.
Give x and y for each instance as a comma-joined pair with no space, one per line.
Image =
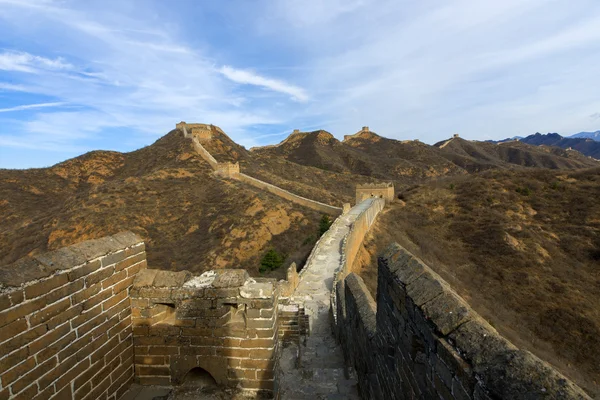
381,190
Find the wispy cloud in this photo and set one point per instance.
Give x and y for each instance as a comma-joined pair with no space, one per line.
30,107
247,77
407,69
25,62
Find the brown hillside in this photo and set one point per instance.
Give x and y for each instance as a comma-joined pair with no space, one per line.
479,156
523,247
165,193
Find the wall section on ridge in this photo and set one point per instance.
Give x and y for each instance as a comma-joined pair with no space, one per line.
421,340
65,321
303,201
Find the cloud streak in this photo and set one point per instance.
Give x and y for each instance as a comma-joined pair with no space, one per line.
251,78
25,62
30,107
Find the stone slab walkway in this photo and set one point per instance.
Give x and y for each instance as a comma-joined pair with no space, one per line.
316,369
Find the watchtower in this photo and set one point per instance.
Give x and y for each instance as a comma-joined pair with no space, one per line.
382,190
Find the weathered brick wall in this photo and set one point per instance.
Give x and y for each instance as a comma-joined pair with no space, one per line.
421,340
351,245
222,321
313,204
65,323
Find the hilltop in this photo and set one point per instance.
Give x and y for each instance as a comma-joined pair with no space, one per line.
166,193
411,161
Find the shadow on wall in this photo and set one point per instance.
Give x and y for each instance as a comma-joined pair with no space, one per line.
222,322
421,340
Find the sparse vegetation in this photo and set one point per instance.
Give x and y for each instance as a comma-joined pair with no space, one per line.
324,224
271,261
526,260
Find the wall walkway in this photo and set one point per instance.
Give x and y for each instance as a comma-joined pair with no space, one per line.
316,369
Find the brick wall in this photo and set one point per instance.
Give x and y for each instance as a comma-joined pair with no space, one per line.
222,321
65,323
351,245
422,341
312,204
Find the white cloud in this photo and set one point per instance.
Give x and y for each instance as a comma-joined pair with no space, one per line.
252,78
25,62
31,106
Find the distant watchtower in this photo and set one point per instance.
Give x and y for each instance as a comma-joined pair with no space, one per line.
382,190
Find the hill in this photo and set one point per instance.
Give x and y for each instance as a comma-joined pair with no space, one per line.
522,246
479,156
165,193
587,135
583,144
407,162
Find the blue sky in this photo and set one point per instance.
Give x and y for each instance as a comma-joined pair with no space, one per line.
82,75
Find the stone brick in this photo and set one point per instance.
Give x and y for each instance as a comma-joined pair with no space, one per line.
125,375
64,394
33,374
116,277
136,268
5,302
114,300
22,340
99,276
86,294
84,270
26,394
45,393
113,258
67,377
170,278
260,323
153,380
150,360
49,312
49,338
163,350
124,284
57,372
20,311
229,278
82,391
152,370
64,316
16,297
12,329
128,262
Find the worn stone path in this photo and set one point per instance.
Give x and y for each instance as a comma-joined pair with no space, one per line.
316,369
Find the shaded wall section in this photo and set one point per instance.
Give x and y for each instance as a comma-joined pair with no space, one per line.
221,321
421,340
65,321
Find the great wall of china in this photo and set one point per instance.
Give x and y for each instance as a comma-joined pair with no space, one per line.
88,320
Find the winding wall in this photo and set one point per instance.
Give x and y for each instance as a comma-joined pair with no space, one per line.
220,167
420,340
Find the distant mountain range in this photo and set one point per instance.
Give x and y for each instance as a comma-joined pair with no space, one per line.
587,143
587,135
